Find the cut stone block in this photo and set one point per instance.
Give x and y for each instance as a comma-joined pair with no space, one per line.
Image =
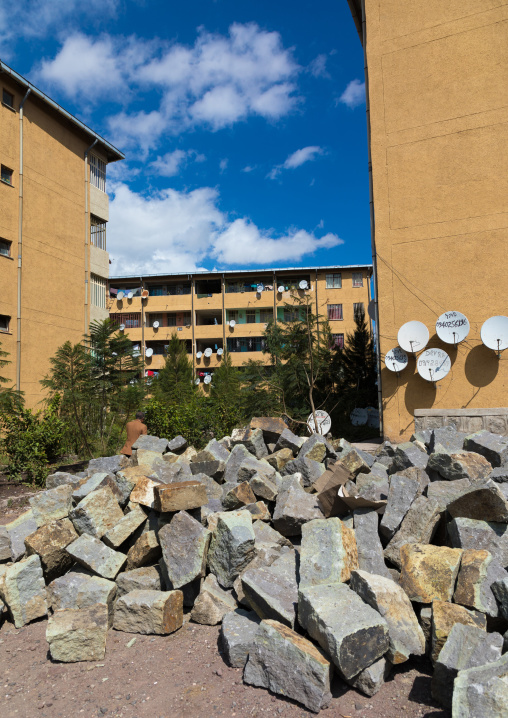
460,465
91,553
184,544
288,440
352,633
145,442
59,478
328,552
483,501
493,447
18,530
78,590
180,496
466,647
478,571
237,634
97,513
315,448
86,487
447,437
5,545
372,678
177,445
403,491
108,464
144,491
237,456
217,450
280,458
149,612
231,547
49,543
407,455
293,508
309,469
213,603
264,533
146,550
23,589
418,526
78,634
368,544
405,635
254,443
288,664
258,510
272,591
214,469
51,505
263,487
472,534
145,457
238,495
146,578
271,426
251,466
124,529
444,616
447,491
356,461
482,691
429,572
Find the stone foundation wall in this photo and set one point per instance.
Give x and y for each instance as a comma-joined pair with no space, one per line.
468,420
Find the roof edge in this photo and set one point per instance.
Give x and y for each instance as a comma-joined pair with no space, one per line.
135,277
356,11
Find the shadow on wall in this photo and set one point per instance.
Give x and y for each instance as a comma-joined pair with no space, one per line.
481,366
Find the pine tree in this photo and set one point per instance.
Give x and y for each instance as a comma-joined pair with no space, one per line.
175,382
356,366
10,398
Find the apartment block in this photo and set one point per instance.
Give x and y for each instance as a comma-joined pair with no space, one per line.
54,210
212,312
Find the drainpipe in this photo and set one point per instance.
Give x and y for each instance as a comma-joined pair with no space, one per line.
20,242
372,224
87,233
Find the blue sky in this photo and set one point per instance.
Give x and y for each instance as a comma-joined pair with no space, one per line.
243,124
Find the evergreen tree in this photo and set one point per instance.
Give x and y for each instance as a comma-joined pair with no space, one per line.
10,398
356,367
175,382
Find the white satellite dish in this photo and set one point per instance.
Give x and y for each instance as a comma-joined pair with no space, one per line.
494,333
130,295
396,359
208,352
155,325
260,288
413,337
121,327
197,381
220,351
452,327
232,323
149,352
303,284
207,379
324,423
119,295
280,289
359,417
199,355
433,364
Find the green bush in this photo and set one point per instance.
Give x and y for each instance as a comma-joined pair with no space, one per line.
31,441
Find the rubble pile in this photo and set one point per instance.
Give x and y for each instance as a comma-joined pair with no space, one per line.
316,557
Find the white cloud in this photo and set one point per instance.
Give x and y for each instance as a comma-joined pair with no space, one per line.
354,94
318,67
248,168
171,163
179,231
223,165
296,159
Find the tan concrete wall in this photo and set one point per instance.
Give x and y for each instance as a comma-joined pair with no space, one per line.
439,130
99,262
99,203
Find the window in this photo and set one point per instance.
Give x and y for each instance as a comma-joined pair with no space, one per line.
5,248
233,315
333,281
156,318
6,174
251,316
97,173
171,320
4,323
98,291
131,321
358,307
334,311
357,279
291,315
8,98
266,315
97,232
338,340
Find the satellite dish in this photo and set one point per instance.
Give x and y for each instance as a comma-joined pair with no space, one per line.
207,379
232,323
280,289
197,381
433,364
413,337
220,351
359,417
149,352
324,423
452,327
121,327
119,295
303,284
130,295
260,288
208,352
155,325
145,293
494,333
396,359
199,355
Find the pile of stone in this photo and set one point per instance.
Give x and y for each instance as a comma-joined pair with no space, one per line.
315,557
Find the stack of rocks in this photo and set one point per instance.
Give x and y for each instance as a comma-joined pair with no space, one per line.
314,556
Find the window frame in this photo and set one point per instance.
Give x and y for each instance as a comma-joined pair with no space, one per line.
8,243
98,291
357,279
250,316
97,232
338,341
3,169
97,172
10,105
339,311
7,323
334,275
356,305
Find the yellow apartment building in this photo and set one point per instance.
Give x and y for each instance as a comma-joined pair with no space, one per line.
437,113
214,311
53,214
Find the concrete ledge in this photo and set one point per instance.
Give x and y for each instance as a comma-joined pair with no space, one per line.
468,420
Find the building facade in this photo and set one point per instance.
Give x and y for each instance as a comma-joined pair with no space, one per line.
212,312
437,111
53,214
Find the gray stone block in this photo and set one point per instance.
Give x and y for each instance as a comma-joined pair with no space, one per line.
151,443
370,550
125,528
288,440
478,572
184,544
97,513
499,475
60,478
23,590
372,678
149,612
237,456
403,491
293,508
483,501
493,447
213,603
77,590
483,691
78,634
217,450
418,526
407,455
5,545
96,556
231,547
253,441
51,505
472,534
88,486
309,469
177,445
238,631
146,578
272,591
448,437
106,464
459,465
328,552
444,492
18,530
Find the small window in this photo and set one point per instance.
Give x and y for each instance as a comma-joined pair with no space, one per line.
6,174
156,318
266,315
98,232
98,291
251,317
97,173
4,323
291,315
157,290
358,307
8,98
338,340
357,279
333,281
5,248
232,315
334,311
